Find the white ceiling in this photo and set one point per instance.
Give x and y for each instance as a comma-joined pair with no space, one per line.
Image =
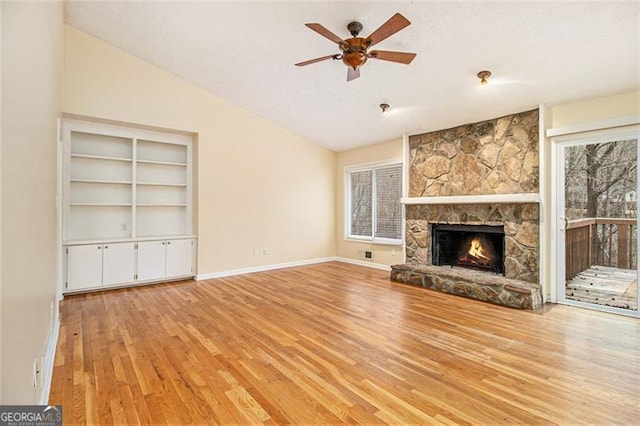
245,53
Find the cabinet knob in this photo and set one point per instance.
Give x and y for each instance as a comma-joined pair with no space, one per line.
99,247
106,247
163,243
168,242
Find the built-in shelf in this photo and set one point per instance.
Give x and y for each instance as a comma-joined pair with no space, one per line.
163,163
161,205
101,157
102,204
125,240
125,183
162,184
474,199
117,182
127,206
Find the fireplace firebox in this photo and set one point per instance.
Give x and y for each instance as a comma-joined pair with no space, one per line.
470,246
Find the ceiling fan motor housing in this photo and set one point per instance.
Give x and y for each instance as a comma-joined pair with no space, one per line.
354,52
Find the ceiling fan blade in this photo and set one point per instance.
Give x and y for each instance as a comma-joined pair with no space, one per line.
389,28
352,74
325,32
313,61
385,55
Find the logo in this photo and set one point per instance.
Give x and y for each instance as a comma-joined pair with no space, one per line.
30,415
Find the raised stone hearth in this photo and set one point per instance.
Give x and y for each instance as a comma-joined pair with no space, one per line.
472,284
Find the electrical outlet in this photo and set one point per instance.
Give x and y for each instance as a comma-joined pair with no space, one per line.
256,252
393,252
265,251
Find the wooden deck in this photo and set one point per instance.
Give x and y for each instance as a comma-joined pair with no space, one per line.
602,285
332,344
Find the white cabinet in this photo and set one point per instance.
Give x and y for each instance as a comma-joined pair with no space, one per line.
118,263
179,258
151,260
90,266
165,259
84,267
95,265
125,185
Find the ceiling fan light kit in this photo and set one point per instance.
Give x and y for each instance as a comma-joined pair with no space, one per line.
355,50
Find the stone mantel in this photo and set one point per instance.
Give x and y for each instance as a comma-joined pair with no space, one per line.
474,199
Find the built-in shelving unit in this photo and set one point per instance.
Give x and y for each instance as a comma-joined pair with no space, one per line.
124,184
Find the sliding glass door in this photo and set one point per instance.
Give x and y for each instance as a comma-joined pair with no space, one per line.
597,221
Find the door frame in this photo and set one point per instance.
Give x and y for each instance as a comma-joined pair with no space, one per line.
558,145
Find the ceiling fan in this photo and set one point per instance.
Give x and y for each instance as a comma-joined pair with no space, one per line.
355,50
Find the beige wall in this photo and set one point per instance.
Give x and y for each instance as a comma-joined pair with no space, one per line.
382,254
259,186
593,110
31,91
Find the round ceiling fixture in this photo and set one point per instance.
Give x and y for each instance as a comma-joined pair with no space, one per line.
483,76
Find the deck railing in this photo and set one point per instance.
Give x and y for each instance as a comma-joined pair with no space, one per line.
600,241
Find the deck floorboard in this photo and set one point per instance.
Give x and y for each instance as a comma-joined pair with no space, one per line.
603,285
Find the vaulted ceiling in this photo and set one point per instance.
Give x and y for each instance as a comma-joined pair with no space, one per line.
245,52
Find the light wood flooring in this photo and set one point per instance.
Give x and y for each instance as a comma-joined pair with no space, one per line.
603,285
334,343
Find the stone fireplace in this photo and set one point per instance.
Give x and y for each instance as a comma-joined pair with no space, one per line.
475,182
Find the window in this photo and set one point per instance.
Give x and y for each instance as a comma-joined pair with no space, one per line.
373,206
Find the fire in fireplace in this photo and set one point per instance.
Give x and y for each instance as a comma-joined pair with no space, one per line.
471,246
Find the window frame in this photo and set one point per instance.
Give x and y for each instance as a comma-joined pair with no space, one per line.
378,165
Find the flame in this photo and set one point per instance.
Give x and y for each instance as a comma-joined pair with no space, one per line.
476,250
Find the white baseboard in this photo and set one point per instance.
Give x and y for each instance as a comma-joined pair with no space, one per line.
363,263
262,268
48,361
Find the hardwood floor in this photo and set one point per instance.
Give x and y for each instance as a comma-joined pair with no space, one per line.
337,343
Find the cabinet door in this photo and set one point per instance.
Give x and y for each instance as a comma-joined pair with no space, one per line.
84,267
179,258
118,263
151,260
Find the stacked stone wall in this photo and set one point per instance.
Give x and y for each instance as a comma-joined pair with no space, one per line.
498,156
